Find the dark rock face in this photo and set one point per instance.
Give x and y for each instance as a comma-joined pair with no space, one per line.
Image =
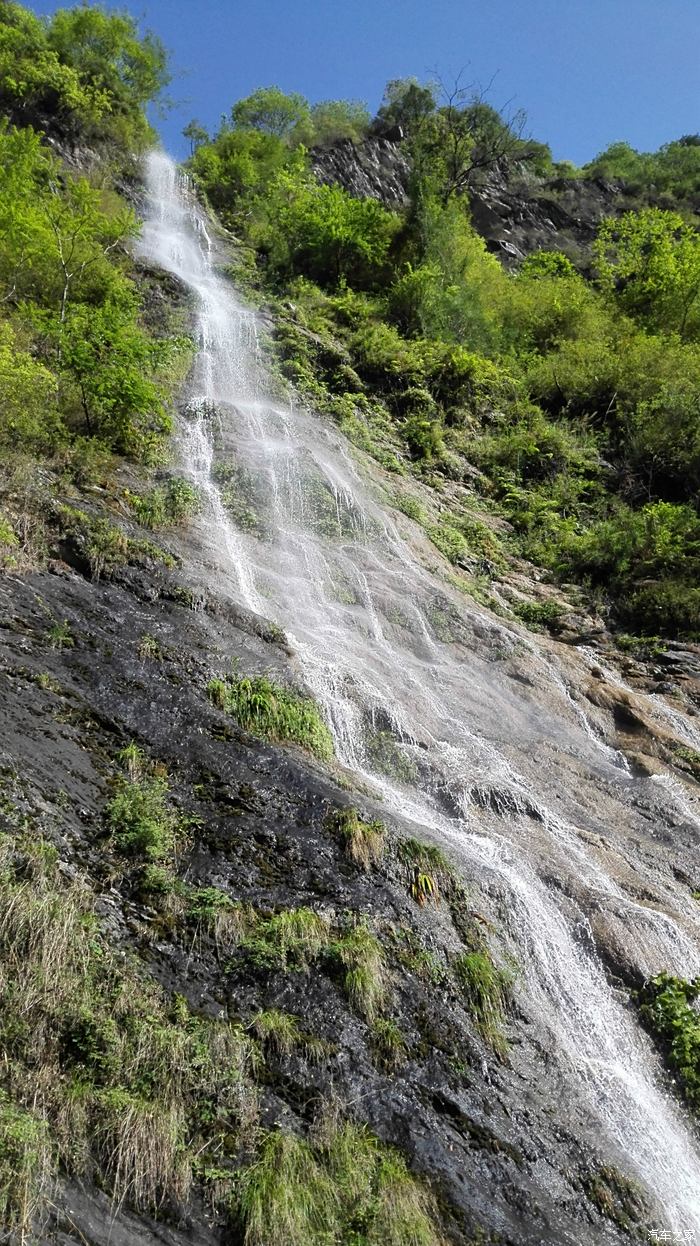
489,1134
520,213
378,168
514,211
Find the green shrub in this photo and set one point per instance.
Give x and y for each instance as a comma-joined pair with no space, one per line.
449,540
167,504
26,1163
277,1031
107,1075
389,1044
286,1197
325,233
342,1185
292,938
423,437
360,954
143,821
61,636
226,920
667,1006
539,614
272,712
410,506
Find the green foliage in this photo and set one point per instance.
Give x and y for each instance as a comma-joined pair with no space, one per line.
427,870
337,120
410,506
325,233
539,614
286,1197
225,920
61,636
8,544
687,759
577,400
343,1185
167,504
29,413
389,1044
273,112
669,175
292,938
275,713
448,540
83,71
407,103
25,1164
278,1031
360,954
62,282
650,261
454,291
102,545
101,1072
141,817
119,70
486,989
617,1198
667,1006
542,264
650,559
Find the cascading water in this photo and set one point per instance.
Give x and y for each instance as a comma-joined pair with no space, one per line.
456,721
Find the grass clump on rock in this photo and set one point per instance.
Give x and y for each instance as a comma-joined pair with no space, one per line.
142,819
340,1185
363,841
102,1074
274,713
486,988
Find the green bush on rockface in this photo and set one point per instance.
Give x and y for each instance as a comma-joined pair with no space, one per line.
667,1006
273,712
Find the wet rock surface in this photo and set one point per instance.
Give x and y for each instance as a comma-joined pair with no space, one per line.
490,1134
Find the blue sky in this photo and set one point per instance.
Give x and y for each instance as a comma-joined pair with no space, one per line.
587,72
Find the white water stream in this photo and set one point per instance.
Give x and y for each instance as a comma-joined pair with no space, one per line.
461,726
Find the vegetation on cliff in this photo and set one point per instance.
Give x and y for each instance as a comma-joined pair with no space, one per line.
573,392
575,398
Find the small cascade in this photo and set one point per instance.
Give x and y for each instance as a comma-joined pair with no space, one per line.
459,727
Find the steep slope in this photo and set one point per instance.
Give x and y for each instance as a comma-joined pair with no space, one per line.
449,1049
343,851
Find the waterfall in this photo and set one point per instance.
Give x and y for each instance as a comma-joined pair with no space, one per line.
457,721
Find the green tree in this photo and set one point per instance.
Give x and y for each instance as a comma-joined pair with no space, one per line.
33,79
112,365
407,103
270,110
196,133
237,167
650,261
121,69
29,416
339,119
323,231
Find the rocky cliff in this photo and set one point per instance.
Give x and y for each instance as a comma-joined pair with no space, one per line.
515,211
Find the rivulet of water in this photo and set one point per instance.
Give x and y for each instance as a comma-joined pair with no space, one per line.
460,724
